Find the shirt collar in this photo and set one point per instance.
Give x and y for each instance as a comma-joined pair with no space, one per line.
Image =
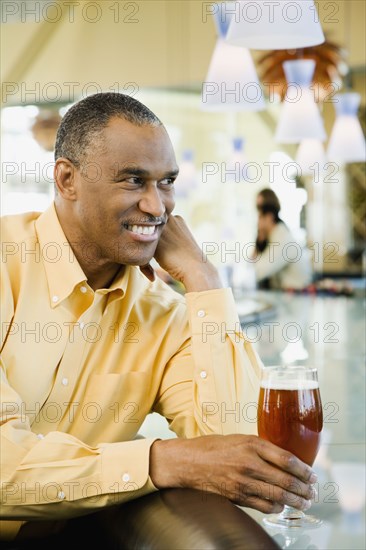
63,271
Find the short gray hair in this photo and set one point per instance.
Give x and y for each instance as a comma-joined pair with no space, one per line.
87,118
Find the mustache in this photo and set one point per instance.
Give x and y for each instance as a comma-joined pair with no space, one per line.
147,219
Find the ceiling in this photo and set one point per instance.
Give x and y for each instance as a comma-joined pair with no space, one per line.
62,52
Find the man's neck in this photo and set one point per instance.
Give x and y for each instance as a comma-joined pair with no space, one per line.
102,279
99,271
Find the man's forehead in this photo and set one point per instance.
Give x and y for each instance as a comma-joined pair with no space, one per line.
122,136
118,126
128,147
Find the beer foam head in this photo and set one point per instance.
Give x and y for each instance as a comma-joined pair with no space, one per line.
293,385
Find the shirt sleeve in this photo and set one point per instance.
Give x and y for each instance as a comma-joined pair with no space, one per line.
57,476
211,385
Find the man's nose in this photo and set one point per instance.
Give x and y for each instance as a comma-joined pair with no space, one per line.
151,202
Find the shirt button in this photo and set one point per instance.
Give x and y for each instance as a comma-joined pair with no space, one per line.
83,289
54,299
61,495
126,477
81,325
65,381
201,313
203,374
40,436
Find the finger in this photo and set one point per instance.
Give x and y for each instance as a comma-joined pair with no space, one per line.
285,461
274,476
282,496
274,493
263,505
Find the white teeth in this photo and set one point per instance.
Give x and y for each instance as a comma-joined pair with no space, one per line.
142,229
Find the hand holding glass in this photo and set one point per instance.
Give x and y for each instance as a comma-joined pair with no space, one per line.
290,416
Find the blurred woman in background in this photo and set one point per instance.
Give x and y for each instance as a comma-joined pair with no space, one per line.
279,261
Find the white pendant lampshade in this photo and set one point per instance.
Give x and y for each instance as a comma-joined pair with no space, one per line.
300,118
232,82
347,142
275,25
310,157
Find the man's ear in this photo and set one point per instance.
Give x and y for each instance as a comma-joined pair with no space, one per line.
64,174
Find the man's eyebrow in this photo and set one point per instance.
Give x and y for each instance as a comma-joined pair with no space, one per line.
171,173
128,170
139,172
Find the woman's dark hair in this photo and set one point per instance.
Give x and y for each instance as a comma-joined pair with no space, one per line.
270,204
270,209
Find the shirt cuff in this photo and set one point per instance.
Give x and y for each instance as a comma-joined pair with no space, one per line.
125,466
208,310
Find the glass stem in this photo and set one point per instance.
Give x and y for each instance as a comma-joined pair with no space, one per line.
290,513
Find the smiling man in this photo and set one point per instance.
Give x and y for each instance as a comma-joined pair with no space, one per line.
92,342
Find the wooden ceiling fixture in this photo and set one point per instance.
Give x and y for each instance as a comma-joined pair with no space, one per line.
330,69
44,128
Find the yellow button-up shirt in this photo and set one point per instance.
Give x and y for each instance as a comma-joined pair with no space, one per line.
81,369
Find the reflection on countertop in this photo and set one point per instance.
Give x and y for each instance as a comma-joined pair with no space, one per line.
329,333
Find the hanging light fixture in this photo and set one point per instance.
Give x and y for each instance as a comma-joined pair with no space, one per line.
44,128
300,117
330,68
310,157
232,82
263,25
347,142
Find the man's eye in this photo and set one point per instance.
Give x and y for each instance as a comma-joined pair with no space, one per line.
167,182
134,181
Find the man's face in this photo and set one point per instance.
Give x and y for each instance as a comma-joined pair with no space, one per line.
125,192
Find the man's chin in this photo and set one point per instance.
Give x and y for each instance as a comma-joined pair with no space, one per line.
139,261
135,254
144,266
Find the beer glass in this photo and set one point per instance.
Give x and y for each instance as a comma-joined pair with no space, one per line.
290,415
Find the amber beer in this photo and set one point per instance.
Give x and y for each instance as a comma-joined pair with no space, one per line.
290,415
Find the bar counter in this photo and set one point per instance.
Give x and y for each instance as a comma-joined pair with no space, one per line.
329,333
